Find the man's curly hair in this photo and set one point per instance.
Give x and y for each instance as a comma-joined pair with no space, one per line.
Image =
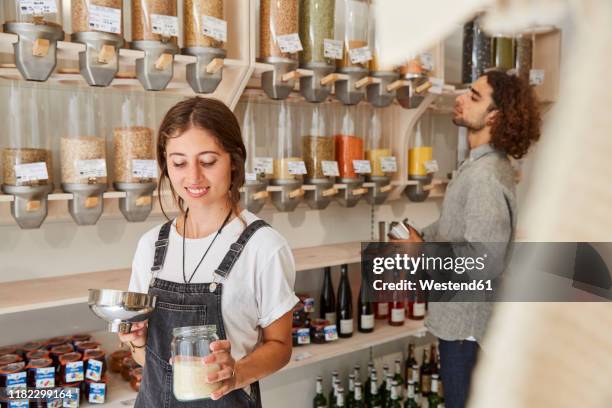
516,125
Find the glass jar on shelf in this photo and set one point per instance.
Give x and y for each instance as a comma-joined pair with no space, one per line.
524,55
378,153
503,52
421,163
476,50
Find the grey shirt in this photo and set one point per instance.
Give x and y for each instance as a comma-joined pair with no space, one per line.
479,206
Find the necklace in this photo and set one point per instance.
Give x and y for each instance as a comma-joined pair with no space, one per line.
207,249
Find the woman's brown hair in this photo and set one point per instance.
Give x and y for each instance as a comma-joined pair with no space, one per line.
213,116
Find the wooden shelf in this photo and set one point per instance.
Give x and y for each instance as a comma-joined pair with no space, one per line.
35,294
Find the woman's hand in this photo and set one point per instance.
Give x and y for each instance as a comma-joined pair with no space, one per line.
137,337
221,355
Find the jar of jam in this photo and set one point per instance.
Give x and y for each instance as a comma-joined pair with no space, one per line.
74,393
8,350
116,359
83,346
127,365
40,373
95,364
301,336
95,392
10,359
299,316
32,346
307,302
58,351
136,378
71,368
322,331
57,341
80,337
13,375
36,354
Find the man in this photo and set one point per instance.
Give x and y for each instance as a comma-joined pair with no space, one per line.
501,114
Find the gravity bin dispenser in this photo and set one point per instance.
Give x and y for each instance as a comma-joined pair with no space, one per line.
414,83
421,164
352,167
382,162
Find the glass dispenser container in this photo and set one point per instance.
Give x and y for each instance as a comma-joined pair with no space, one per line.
134,165
524,55
320,48
99,25
319,153
352,29
350,157
288,166
421,163
381,76
476,51
414,75
83,158
155,31
382,161
205,35
26,159
279,44
503,52
254,194
38,25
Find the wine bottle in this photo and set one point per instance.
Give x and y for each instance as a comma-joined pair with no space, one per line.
388,385
425,374
357,372
416,376
350,395
433,399
394,398
417,305
410,361
319,399
399,379
339,397
411,397
328,299
382,389
332,393
365,324
397,313
374,398
367,390
382,310
359,402
344,306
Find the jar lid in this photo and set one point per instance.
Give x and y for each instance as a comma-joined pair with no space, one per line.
33,355
81,337
12,368
57,341
69,358
40,363
191,331
32,345
120,354
9,359
62,349
96,354
129,362
87,345
8,350
319,323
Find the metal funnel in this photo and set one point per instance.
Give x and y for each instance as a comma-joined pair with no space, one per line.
120,309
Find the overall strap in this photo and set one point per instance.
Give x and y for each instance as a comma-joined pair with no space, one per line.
236,248
161,247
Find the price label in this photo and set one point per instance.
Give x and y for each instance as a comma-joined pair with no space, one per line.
296,168
166,26
105,19
333,49
250,176
263,165
144,168
74,372
330,168
215,28
91,168
362,166
536,77
431,166
427,61
289,43
331,333
360,55
437,86
31,172
45,377
37,7
388,164
97,393
94,370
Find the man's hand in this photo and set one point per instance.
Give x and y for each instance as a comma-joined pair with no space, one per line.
414,237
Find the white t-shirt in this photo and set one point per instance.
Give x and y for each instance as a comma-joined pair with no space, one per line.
257,291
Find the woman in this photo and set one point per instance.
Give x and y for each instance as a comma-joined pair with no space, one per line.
204,268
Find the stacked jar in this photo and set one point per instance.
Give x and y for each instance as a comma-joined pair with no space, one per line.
302,317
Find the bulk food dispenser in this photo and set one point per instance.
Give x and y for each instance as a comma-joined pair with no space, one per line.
134,165
319,154
99,25
253,194
421,164
279,44
205,35
38,25
26,160
476,50
350,157
320,48
414,80
288,166
155,30
382,161
83,158
352,30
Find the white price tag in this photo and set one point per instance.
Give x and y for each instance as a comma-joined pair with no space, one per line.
330,168
289,43
91,168
296,168
388,164
31,172
215,28
144,168
437,86
105,19
362,166
166,26
333,48
250,176
37,7
427,61
263,165
431,166
536,77
360,55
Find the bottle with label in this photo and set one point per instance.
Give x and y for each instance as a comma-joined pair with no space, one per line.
358,397
417,385
328,299
365,308
350,395
344,307
410,361
332,393
398,378
388,386
417,306
367,389
339,397
395,398
382,389
381,310
319,399
357,372
426,372
433,399
375,401
397,313
411,396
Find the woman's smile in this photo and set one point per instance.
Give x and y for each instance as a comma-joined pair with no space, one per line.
197,191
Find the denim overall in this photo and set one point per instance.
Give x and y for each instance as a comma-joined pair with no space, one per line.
187,304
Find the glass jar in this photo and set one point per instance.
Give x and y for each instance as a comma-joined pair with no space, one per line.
95,391
277,18
136,378
40,373
80,337
287,158
318,144
247,110
316,25
352,29
194,12
524,55
10,359
377,150
503,52
97,15
47,12
115,360
13,375
152,20
190,345
415,66
127,365
71,368
36,354
95,364
375,64
348,144
56,341
58,351
420,153
32,346
83,346
476,51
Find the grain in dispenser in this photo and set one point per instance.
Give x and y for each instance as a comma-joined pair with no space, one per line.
476,50
382,161
38,26
421,164
83,158
26,158
414,75
98,24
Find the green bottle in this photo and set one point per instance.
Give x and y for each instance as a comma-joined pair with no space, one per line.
339,398
398,377
411,401
433,399
357,372
375,401
417,387
358,403
319,399
394,398
388,388
350,396
332,393
383,391
366,390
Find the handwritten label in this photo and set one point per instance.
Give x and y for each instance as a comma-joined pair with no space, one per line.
362,166
166,26
250,176
289,43
536,77
31,172
360,55
105,19
91,168
427,61
431,166
215,28
333,48
263,165
388,164
330,168
144,168
437,86
37,7
296,168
